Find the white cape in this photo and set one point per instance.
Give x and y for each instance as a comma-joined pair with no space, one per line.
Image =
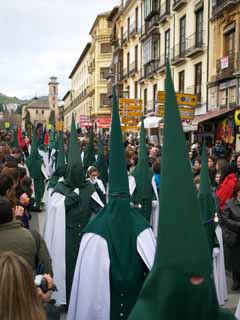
90,296
54,236
155,206
219,271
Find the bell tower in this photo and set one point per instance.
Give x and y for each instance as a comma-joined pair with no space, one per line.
53,95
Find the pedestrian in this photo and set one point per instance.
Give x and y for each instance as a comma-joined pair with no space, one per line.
212,168
227,184
231,236
197,167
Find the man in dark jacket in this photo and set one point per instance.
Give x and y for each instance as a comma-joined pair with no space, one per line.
14,237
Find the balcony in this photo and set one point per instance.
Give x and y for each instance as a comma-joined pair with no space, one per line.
227,66
219,6
114,41
179,54
125,74
178,4
133,30
153,12
125,38
151,68
133,68
195,44
164,11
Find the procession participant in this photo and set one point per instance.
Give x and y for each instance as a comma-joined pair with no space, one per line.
101,163
89,152
145,193
180,285
93,177
73,203
117,248
213,230
35,167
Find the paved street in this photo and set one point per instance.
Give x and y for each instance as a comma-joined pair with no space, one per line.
37,223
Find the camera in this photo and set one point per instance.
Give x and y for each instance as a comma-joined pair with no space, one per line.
41,282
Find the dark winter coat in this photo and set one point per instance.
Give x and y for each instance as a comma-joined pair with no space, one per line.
231,234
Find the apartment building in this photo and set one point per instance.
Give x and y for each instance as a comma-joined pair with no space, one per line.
77,99
224,79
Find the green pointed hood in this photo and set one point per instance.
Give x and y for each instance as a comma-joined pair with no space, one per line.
182,255
143,193
207,201
52,140
117,222
60,162
89,153
34,161
15,140
75,176
101,163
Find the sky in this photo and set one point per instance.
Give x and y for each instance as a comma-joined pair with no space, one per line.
43,38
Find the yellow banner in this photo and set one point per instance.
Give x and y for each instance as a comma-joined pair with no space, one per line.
183,99
185,113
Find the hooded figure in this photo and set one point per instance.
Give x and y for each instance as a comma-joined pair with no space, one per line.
36,168
15,140
180,284
72,204
89,153
145,192
117,248
213,230
101,163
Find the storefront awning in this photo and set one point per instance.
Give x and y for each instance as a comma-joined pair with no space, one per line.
210,115
152,122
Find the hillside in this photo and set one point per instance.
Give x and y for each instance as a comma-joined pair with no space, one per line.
5,99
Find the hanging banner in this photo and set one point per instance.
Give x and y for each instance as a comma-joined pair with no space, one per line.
183,99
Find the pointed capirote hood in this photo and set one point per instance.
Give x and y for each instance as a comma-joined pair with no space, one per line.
15,140
89,153
75,176
207,201
180,284
118,178
143,193
101,163
60,162
34,160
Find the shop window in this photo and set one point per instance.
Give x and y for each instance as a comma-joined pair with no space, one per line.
232,96
223,98
106,47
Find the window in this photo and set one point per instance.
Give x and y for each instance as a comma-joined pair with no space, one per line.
104,72
199,28
181,80
128,92
167,45
128,61
135,90
128,27
145,100
155,97
121,34
229,42
104,101
136,18
151,49
42,111
106,47
198,81
182,35
36,111
54,90
232,96
136,57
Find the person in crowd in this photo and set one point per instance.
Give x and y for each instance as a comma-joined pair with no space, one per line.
226,186
197,167
153,154
197,183
231,236
93,177
219,151
157,172
132,162
237,163
15,156
19,297
212,168
27,244
4,152
220,164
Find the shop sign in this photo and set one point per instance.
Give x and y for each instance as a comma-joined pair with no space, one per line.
224,62
183,99
104,123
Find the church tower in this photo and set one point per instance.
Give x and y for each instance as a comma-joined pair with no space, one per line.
53,96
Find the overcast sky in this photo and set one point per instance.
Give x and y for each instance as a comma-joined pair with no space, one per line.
43,38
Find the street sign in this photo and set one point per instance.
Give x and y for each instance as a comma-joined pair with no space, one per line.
183,99
130,111
130,128
185,113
